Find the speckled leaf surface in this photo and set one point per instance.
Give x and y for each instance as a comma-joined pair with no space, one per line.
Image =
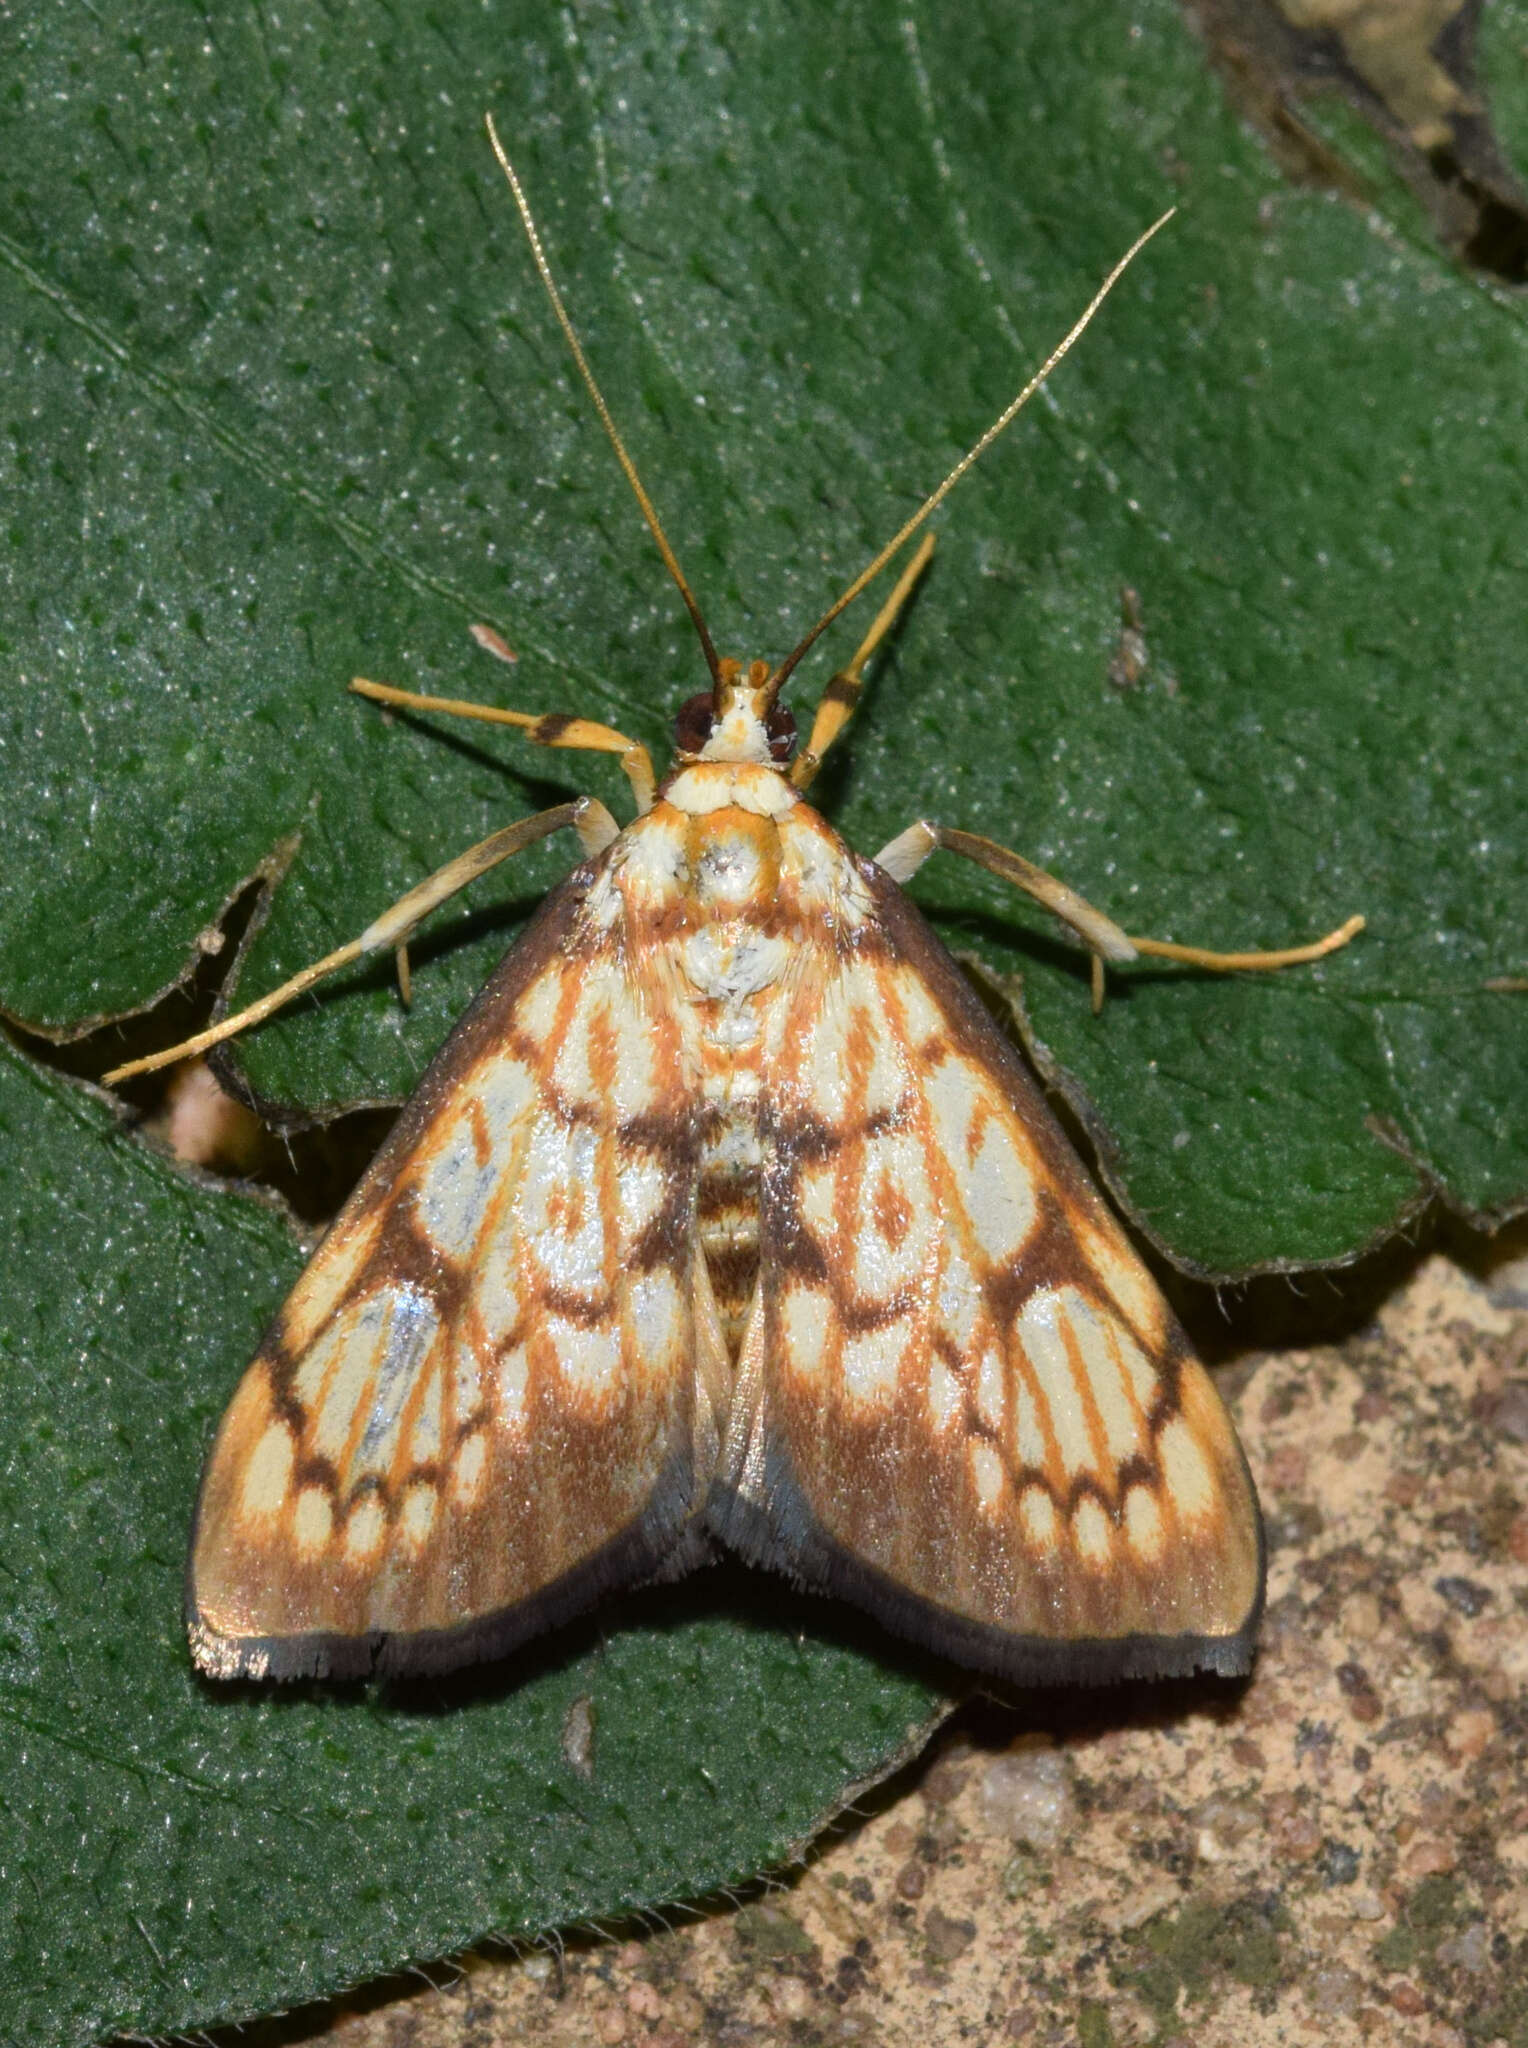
283,403
176,1853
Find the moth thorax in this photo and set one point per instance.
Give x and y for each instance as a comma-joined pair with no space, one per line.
738,720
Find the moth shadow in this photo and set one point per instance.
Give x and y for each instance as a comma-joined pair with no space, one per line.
465,929
541,791
994,1720
723,1592
962,931
998,1712
744,1598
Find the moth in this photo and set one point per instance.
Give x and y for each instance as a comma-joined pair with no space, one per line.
726,1218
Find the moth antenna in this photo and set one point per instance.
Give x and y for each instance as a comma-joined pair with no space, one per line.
629,468
1003,420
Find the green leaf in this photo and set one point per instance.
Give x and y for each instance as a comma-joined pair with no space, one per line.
283,402
176,1852
287,403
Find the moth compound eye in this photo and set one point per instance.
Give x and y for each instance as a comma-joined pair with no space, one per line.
780,728
693,722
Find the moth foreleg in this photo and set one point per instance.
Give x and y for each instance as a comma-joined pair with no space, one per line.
836,706
542,728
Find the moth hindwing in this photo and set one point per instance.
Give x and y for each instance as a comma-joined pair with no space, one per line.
726,1217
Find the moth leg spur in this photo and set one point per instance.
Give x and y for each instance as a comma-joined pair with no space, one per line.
903,856
391,931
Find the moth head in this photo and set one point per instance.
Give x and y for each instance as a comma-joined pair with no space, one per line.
737,720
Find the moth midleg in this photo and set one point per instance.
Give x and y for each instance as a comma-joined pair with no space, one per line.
836,706
544,729
903,856
391,931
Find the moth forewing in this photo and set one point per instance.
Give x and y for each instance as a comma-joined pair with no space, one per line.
973,1412
487,1399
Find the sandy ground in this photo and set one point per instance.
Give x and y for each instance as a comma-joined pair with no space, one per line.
1335,1852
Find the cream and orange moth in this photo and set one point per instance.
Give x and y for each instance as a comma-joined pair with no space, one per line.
727,1218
